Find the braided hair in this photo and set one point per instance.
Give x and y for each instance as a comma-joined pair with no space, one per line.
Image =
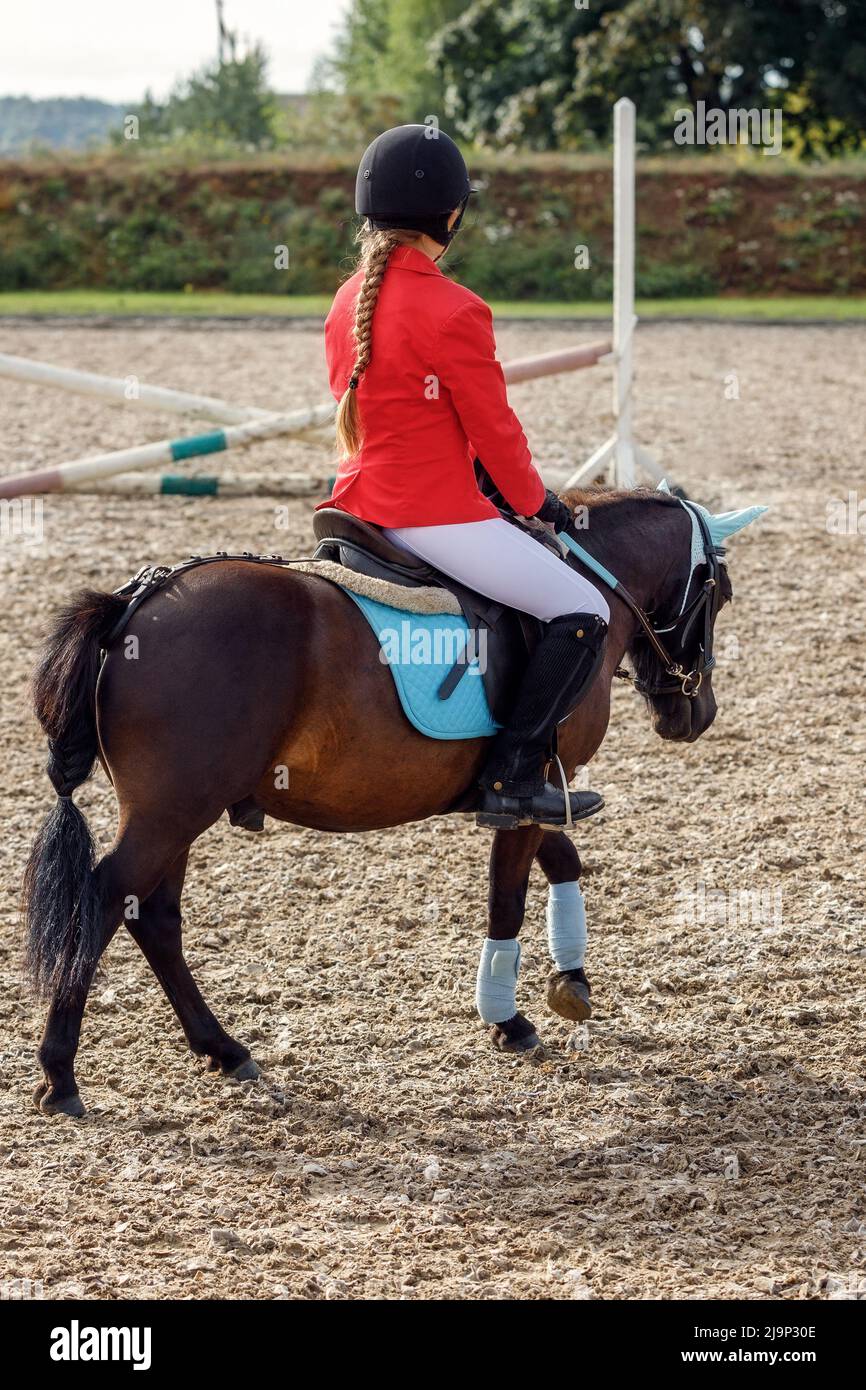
376,248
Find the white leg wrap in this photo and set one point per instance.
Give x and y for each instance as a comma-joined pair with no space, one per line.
566,925
496,985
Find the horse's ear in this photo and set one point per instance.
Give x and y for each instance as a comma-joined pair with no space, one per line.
727,523
663,486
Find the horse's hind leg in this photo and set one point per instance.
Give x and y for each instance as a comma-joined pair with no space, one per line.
129,871
568,988
511,859
158,932
58,1094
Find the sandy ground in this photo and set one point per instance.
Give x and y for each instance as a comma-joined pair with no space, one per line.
705,1137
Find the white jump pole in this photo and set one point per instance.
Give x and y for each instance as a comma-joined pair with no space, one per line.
127,391
549,363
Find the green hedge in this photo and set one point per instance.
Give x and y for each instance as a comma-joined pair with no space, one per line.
703,229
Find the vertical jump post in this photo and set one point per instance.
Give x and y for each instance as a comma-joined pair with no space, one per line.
618,458
624,320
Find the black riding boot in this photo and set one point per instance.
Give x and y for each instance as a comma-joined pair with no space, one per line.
559,674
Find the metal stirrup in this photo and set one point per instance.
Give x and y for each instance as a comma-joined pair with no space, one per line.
569,819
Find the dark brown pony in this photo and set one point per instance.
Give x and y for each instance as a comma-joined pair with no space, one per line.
239,680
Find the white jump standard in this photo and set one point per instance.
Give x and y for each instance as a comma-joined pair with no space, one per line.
619,456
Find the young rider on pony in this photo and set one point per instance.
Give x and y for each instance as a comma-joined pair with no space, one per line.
412,361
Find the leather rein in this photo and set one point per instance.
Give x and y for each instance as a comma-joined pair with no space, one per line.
704,605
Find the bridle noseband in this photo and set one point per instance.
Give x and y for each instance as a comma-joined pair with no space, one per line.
704,605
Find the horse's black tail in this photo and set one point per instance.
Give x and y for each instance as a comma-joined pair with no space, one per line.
62,911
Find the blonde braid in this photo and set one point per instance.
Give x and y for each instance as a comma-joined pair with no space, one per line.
376,249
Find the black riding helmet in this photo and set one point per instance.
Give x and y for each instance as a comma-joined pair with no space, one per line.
413,176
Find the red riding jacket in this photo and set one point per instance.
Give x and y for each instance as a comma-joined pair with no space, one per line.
432,398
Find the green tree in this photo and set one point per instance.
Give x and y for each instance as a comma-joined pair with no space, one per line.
229,102
542,74
384,51
507,67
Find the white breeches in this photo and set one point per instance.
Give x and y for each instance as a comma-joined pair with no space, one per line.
496,559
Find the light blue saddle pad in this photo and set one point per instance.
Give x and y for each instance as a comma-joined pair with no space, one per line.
421,649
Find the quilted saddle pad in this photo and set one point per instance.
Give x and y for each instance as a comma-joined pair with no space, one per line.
421,649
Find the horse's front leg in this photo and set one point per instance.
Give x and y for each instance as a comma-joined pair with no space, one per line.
567,988
496,987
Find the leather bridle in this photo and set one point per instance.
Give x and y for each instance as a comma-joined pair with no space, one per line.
704,606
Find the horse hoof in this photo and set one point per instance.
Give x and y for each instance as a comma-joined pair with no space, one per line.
247,1071
49,1104
516,1034
568,995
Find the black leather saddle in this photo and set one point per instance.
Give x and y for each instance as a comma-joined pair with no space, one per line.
511,635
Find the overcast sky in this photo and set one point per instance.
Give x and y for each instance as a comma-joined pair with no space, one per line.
115,49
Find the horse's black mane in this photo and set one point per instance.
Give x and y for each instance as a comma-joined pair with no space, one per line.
625,506
598,497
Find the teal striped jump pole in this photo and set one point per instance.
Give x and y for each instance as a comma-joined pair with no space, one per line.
215,485
64,476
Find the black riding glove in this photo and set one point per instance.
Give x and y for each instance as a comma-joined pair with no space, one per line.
555,511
